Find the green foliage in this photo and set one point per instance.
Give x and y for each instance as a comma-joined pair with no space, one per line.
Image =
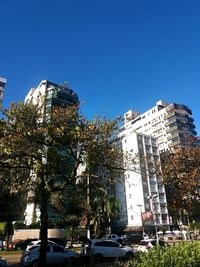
2,229
34,226
181,172
6,229
181,255
19,225
195,226
42,150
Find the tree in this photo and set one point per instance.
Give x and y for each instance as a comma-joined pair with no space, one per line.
104,209
181,174
42,152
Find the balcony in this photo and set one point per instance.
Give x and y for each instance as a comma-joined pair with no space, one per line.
156,211
175,143
169,115
163,210
165,222
161,190
171,136
170,129
162,200
169,122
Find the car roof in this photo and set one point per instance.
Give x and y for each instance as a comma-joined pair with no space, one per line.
148,240
102,240
51,243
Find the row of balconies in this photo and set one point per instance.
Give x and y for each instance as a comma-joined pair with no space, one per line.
161,211
171,136
175,106
177,115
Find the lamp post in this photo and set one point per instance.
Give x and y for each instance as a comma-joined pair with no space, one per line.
152,209
140,206
88,202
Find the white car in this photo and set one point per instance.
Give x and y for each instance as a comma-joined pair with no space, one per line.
56,255
38,242
102,249
147,244
113,237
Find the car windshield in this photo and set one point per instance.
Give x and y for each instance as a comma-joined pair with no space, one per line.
34,247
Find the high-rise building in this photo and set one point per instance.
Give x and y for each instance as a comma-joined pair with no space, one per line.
3,82
163,127
170,123
52,95
55,94
139,183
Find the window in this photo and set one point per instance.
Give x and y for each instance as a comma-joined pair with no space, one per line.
57,249
113,244
132,218
48,249
101,244
164,217
155,150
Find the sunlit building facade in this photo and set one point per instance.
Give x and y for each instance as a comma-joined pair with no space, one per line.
52,95
170,123
3,82
139,182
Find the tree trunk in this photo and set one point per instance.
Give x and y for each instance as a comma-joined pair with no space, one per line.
72,235
44,223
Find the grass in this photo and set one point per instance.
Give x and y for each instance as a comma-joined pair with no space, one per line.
9,252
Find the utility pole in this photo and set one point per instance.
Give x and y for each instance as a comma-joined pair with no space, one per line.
88,202
152,209
140,206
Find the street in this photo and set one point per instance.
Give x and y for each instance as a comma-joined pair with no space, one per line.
13,259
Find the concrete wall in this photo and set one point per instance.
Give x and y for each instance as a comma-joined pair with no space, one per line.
34,233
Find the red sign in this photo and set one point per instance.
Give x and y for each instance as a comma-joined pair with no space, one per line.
147,216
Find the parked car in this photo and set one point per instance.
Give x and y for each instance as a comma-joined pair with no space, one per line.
108,249
113,237
3,262
38,242
124,239
56,255
58,241
147,244
22,244
134,238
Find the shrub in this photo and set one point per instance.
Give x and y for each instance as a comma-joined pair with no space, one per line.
19,225
185,254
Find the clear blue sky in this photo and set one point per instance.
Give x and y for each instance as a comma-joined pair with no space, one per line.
116,55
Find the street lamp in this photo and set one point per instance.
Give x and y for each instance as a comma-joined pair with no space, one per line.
152,209
140,206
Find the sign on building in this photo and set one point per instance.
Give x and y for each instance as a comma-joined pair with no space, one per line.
147,217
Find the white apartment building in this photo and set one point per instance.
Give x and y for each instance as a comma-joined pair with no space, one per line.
161,128
170,123
140,182
3,82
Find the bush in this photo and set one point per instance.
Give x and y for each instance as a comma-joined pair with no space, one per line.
185,254
19,225
34,226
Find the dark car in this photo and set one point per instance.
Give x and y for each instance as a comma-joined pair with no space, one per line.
21,245
58,241
134,238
